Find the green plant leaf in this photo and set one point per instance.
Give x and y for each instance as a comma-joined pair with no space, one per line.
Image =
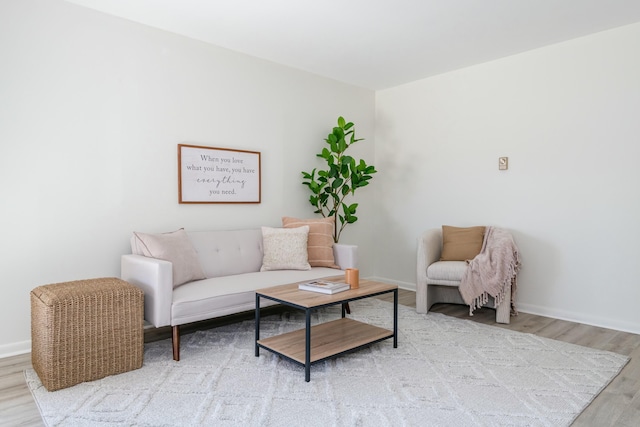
339,181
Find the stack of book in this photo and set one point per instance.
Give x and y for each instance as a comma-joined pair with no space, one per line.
324,287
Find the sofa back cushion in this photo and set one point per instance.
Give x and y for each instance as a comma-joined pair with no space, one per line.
228,252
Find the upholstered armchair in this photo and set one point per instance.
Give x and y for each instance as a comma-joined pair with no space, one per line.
438,281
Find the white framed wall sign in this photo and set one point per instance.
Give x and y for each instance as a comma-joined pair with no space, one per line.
218,175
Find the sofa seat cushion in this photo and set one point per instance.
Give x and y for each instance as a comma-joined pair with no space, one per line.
220,296
446,272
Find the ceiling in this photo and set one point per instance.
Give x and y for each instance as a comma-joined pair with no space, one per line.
377,44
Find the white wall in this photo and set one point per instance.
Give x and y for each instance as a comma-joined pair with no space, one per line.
92,108
567,118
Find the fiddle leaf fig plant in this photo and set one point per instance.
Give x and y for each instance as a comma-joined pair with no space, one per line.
331,186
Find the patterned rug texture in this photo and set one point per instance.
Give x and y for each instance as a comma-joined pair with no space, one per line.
445,372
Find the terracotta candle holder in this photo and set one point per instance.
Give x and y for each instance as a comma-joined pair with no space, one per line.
352,277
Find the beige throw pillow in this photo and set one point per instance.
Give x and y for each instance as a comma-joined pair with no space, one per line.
320,242
461,244
174,247
285,248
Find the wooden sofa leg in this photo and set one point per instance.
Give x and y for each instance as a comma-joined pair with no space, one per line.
175,339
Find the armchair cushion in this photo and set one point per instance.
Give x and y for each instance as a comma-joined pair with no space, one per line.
444,272
461,244
285,248
320,242
174,247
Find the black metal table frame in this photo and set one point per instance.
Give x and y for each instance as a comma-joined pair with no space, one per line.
308,311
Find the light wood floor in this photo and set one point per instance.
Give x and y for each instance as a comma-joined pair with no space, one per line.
617,405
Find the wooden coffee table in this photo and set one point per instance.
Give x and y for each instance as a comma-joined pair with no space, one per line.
316,343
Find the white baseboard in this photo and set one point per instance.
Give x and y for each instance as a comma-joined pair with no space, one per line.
15,349
583,318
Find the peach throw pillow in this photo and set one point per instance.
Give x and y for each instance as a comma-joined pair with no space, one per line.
320,242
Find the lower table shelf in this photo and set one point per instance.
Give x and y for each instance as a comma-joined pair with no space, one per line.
327,339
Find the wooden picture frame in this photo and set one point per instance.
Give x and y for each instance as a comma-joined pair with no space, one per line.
218,175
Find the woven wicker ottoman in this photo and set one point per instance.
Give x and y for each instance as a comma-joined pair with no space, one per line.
85,330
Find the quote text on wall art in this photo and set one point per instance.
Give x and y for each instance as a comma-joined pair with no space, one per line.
218,175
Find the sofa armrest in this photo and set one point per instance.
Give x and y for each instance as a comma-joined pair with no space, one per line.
155,278
429,250
346,256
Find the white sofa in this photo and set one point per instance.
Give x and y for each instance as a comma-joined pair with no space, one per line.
231,262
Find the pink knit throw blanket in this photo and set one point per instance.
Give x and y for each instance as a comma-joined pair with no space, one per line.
492,272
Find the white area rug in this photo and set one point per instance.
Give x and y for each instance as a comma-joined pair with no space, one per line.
445,371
